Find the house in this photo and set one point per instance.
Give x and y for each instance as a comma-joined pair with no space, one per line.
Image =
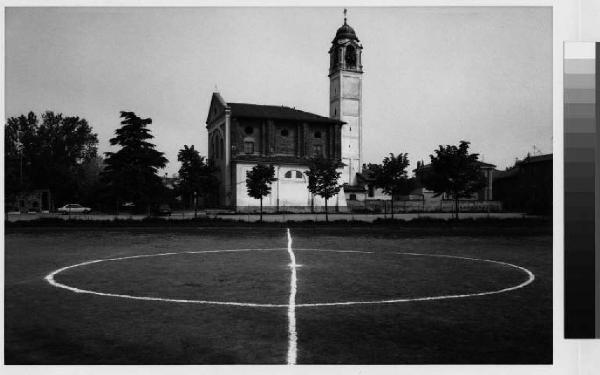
527,186
481,200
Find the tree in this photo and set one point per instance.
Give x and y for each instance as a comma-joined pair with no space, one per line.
323,179
454,172
48,155
131,173
196,175
258,183
391,176
90,183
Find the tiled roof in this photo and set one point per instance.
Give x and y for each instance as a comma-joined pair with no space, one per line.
536,159
276,112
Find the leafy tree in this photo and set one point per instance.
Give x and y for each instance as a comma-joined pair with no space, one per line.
391,176
196,174
131,173
453,171
48,155
90,182
13,162
323,177
258,183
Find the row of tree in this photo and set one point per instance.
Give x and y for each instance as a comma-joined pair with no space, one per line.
59,154
453,171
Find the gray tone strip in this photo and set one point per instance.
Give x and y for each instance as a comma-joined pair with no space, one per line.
579,66
580,96
597,198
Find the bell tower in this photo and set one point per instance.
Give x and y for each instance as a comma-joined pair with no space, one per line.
345,96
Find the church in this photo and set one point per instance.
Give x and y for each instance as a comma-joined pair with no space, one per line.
242,135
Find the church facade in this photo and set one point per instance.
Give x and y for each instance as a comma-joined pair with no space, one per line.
242,135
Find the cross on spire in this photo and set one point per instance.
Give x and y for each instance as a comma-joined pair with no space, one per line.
345,12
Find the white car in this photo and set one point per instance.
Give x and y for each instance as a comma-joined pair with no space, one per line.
74,209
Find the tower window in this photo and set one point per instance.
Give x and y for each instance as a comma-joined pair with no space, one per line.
317,134
249,147
350,57
249,130
318,150
285,133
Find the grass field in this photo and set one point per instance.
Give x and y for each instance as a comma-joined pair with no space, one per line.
49,325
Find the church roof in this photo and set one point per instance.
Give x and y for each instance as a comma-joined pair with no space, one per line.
345,32
276,112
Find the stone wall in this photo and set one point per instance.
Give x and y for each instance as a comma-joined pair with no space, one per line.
291,209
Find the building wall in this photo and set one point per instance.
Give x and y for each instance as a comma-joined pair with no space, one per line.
287,193
529,190
283,138
217,154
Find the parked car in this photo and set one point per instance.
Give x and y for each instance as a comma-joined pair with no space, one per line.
163,210
74,208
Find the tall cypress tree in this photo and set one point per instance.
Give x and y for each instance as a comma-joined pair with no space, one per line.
131,174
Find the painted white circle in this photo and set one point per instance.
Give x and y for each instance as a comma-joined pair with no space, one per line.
50,278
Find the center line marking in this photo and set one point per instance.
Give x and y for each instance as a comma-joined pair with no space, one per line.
292,335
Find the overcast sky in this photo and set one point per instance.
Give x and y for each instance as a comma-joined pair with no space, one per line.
432,75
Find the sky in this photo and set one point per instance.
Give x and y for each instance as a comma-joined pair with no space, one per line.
433,76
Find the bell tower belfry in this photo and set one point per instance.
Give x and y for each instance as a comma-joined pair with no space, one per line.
345,96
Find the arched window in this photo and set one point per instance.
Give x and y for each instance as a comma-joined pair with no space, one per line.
336,57
221,148
317,134
248,147
350,57
293,175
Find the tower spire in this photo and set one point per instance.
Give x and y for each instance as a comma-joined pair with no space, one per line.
345,12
